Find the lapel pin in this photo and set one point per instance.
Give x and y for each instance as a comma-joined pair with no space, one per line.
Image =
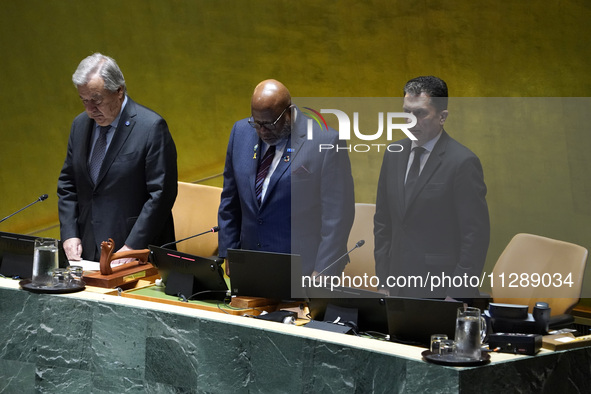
255,151
289,150
127,123
286,158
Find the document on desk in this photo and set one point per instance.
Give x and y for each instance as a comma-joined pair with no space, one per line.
565,341
87,265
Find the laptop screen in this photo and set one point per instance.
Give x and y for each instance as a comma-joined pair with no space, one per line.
368,307
265,274
414,320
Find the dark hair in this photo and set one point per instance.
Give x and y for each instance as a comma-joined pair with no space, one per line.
431,86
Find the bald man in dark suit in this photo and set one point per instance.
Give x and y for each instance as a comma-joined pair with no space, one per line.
306,204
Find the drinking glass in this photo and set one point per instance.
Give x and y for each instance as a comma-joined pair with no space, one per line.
61,277
447,347
436,341
76,272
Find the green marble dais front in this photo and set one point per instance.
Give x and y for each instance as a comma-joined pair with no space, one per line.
61,344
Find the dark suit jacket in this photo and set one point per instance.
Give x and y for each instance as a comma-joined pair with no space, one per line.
309,200
135,190
445,227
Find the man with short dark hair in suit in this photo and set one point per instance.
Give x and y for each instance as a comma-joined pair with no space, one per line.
119,178
281,193
431,212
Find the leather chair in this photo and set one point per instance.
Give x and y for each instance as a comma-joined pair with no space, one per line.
195,211
536,255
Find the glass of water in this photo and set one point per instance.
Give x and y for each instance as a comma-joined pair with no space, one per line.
45,260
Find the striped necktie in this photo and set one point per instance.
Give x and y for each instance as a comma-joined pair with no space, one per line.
262,172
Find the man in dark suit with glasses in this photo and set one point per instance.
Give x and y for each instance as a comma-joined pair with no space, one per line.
281,193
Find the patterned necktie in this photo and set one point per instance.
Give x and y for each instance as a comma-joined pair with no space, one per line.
413,173
263,170
98,154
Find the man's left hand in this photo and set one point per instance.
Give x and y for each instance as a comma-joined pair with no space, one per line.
117,262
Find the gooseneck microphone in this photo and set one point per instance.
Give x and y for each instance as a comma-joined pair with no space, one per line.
42,197
214,229
359,244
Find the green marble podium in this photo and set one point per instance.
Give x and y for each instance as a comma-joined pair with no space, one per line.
88,342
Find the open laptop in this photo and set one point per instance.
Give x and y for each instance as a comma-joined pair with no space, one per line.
188,275
414,320
16,255
264,274
367,309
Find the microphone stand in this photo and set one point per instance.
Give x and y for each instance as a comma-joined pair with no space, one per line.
41,198
357,245
214,229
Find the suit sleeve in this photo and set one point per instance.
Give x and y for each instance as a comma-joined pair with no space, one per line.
473,218
337,205
230,213
382,223
68,196
161,184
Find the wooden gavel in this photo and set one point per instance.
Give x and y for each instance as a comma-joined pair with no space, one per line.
107,256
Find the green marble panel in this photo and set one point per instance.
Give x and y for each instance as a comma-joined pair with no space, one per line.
62,380
64,333
565,371
107,383
422,377
119,341
278,361
335,368
172,349
19,319
379,373
331,369
224,364
17,377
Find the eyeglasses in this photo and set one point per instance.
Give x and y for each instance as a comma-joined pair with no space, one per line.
268,126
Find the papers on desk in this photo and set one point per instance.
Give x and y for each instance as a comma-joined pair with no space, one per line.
565,341
87,265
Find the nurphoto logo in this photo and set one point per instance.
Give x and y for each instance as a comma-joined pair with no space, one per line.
344,129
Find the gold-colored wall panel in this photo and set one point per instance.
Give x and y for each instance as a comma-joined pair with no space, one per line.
197,61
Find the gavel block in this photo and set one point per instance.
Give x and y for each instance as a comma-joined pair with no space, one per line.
124,274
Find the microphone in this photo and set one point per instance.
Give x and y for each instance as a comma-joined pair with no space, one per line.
214,229
359,244
42,197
